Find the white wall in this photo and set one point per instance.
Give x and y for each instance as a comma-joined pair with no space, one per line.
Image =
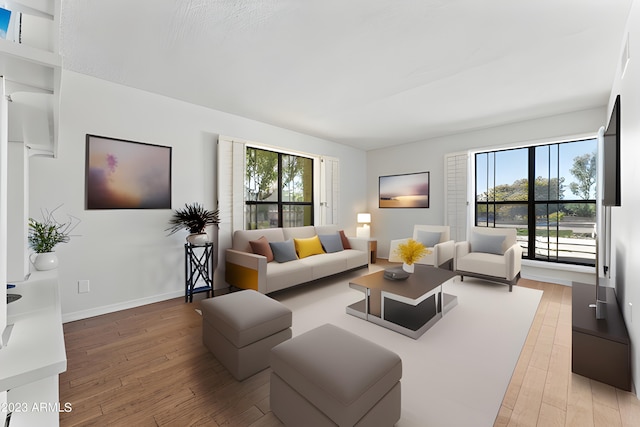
126,254
428,155
625,228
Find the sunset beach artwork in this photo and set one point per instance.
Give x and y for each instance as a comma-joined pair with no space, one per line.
404,191
127,175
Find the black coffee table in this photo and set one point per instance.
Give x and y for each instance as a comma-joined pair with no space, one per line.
409,306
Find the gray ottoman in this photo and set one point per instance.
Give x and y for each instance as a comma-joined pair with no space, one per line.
240,329
328,377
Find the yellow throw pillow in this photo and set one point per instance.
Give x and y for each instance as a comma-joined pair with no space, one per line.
308,247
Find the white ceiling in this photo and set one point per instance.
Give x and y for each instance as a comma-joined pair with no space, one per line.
366,73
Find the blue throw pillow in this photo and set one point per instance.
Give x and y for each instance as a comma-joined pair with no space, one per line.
428,238
487,243
283,251
331,242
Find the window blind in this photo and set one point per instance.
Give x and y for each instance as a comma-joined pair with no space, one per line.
456,205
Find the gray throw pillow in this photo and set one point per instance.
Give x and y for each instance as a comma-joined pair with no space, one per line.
331,242
283,251
428,238
487,243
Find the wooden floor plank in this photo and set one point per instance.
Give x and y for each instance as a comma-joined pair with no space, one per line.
557,381
147,367
527,408
580,402
551,416
629,408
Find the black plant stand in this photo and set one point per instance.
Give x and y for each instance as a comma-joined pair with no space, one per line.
198,265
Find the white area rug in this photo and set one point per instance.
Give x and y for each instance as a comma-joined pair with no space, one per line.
457,373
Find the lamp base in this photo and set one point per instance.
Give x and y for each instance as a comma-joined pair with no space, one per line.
363,232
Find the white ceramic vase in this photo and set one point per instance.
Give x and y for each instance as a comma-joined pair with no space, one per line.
198,239
409,268
44,261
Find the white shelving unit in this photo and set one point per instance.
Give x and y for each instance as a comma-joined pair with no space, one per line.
30,70
30,66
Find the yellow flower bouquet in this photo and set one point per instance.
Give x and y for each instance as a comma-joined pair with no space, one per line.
410,252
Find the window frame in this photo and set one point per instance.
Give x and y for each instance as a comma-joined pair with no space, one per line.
529,252
280,203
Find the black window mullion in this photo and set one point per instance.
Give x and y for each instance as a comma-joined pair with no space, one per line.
531,205
494,192
550,202
279,201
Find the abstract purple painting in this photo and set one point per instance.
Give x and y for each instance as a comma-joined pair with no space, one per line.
124,174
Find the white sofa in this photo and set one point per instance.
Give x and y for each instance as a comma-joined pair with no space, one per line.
247,270
491,254
441,253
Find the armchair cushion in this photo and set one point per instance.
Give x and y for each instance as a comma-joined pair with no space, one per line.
435,237
491,253
485,243
428,238
283,251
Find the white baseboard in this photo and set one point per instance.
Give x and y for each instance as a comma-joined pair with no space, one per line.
97,311
561,274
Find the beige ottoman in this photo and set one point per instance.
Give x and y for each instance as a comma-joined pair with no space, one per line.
240,329
328,377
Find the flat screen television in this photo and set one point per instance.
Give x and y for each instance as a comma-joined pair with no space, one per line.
611,159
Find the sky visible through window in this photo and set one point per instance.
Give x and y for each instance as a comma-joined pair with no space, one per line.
511,165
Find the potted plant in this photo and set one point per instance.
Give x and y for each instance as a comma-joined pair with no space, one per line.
44,236
195,218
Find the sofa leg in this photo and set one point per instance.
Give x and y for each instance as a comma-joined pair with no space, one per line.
461,278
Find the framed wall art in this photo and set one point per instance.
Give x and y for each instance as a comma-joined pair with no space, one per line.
409,190
124,174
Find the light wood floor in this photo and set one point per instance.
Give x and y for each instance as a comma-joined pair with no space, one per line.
147,367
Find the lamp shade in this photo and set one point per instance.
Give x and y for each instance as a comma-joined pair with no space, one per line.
364,218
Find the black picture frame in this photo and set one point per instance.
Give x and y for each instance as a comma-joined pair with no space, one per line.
123,174
410,190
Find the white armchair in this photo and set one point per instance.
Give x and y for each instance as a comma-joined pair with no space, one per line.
435,238
491,254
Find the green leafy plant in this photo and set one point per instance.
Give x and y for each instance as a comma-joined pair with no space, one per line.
192,217
45,235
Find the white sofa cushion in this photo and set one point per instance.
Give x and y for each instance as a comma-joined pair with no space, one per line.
299,232
483,263
286,274
325,264
355,258
326,229
241,238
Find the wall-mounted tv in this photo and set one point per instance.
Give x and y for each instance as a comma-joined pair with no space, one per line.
611,195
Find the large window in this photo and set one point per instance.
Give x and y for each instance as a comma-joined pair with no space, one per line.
278,189
547,193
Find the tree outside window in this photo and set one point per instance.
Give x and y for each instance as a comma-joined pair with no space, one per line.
279,189
547,193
